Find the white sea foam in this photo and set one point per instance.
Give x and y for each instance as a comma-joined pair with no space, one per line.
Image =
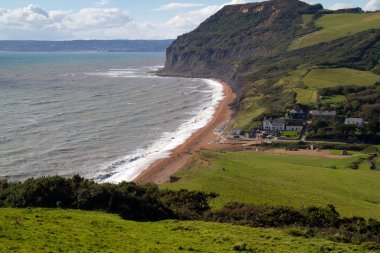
128,72
132,165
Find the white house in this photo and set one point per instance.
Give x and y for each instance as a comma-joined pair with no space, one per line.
274,124
354,121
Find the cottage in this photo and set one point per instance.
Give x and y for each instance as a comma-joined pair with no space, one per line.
274,124
359,122
296,113
323,114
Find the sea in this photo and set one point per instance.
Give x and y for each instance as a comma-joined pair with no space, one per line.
104,116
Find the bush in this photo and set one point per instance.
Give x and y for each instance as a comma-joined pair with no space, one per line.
148,203
186,204
240,247
130,201
324,221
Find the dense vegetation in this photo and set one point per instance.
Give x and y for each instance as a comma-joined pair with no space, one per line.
349,101
148,203
59,230
127,199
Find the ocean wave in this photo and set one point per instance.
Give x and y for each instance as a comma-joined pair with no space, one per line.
132,165
126,72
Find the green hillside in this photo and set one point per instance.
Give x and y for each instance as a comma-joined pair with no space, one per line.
57,230
295,180
335,26
322,78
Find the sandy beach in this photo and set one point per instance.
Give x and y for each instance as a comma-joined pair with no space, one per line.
160,171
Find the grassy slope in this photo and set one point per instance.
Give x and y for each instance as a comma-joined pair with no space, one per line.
55,230
320,78
260,178
335,26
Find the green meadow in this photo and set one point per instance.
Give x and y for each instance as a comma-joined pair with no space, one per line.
322,78
335,26
299,181
306,82
58,230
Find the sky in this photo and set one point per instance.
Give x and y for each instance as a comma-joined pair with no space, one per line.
119,19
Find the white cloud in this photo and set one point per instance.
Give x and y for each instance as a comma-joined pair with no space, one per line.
338,6
372,5
189,21
94,17
174,6
35,23
236,2
309,1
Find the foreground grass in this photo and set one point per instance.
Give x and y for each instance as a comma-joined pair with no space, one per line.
335,26
57,230
298,181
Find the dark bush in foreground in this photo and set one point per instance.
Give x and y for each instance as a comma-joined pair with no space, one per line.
187,204
131,201
323,221
148,203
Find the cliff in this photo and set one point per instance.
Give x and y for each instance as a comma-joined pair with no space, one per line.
258,48
236,32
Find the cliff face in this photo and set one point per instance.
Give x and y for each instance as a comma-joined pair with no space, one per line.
236,32
248,46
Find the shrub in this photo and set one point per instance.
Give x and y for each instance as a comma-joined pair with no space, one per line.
240,247
140,203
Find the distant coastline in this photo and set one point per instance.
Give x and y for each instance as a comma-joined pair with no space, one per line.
85,45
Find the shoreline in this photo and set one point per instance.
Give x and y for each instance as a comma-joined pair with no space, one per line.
160,171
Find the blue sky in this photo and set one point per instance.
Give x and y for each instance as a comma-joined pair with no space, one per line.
118,19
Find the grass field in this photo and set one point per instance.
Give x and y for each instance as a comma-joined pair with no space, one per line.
263,178
306,96
322,78
335,26
56,230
